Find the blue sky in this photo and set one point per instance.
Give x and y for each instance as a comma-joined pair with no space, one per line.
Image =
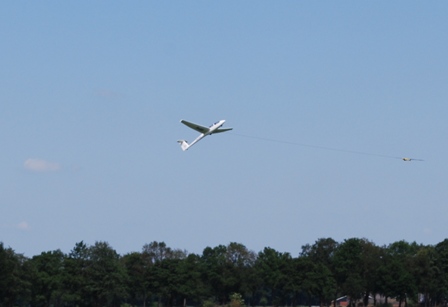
91,94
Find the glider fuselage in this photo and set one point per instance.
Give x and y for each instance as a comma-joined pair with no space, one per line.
215,126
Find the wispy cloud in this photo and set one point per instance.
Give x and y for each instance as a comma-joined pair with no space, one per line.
23,226
38,165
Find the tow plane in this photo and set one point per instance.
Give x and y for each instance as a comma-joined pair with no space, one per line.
215,128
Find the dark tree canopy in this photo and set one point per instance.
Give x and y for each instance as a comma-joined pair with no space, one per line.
97,275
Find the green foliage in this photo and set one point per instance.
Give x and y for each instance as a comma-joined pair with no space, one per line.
208,303
236,300
160,276
107,276
139,281
13,283
219,273
396,273
273,269
316,265
47,278
263,301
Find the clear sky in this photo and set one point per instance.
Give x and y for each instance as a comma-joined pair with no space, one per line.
91,94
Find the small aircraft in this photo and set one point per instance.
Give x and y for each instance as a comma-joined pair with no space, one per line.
215,128
410,159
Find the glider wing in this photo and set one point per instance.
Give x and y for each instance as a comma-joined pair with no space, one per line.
222,130
196,127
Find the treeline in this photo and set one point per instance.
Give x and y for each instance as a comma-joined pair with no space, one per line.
97,275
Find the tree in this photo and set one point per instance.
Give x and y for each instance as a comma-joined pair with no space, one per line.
76,280
322,269
47,278
12,285
107,277
441,261
273,270
396,273
314,279
166,281
138,268
370,259
189,278
349,269
97,276
215,273
240,262
236,300
158,251
426,273
163,262
322,251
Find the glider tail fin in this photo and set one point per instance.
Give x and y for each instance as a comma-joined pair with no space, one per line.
183,144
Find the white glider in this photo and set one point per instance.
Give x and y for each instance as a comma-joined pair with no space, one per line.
215,128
